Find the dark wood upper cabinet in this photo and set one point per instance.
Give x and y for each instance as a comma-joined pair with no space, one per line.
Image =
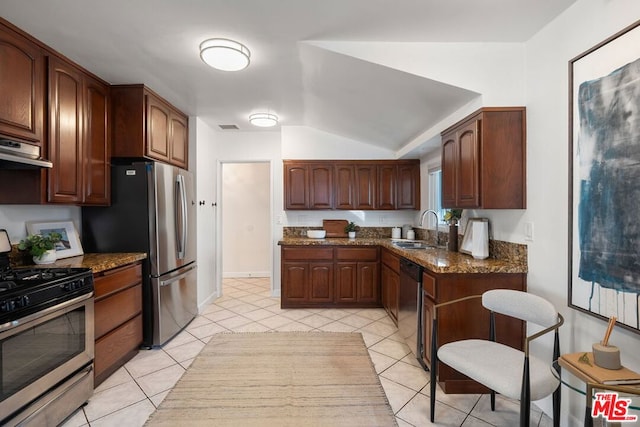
366,186
484,160
320,186
387,178
97,143
65,132
296,181
147,126
345,187
179,154
79,136
22,84
408,186
352,185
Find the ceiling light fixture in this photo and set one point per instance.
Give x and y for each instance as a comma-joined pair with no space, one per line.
225,54
263,120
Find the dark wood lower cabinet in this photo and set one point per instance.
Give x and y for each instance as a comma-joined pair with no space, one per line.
118,318
390,278
467,319
330,277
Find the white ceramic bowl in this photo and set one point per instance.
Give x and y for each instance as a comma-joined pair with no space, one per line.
316,234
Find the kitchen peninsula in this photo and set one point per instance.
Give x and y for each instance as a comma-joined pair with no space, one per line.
365,272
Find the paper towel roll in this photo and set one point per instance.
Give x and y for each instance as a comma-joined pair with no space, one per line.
480,247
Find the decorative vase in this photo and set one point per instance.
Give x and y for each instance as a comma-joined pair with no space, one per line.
352,234
49,257
452,245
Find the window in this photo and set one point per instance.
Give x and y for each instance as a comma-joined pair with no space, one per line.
435,196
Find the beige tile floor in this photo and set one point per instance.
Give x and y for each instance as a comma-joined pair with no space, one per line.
129,396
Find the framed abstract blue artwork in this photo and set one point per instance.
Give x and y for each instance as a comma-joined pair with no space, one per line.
604,179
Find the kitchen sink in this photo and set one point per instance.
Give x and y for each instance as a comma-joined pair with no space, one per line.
412,244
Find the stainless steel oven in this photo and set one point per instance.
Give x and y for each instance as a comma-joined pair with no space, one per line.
46,348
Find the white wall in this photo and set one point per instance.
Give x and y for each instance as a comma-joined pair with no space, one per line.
203,160
246,219
582,26
13,217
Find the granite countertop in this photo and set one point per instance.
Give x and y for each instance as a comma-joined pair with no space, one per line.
97,262
437,260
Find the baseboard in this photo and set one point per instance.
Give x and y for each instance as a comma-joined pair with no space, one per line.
227,275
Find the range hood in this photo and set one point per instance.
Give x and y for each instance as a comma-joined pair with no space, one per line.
18,155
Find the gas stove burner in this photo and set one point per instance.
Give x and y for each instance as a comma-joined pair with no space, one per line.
27,290
5,285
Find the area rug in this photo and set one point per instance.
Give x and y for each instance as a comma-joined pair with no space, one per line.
278,379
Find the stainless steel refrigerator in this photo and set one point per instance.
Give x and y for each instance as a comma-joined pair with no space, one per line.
152,210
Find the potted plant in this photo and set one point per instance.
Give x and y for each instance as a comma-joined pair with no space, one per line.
351,229
41,247
452,216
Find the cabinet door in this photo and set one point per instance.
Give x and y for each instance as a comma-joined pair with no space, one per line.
296,185
295,278
157,129
386,197
428,301
345,187
179,143
22,83
320,282
408,195
346,281
366,184
449,170
320,186
468,172
427,316
65,132
367,282
96,144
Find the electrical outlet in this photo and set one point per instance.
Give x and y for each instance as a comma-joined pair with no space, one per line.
528,231
383,219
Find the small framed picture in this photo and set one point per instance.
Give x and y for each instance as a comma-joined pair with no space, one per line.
69,245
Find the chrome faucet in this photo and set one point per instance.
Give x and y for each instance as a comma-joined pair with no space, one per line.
423,214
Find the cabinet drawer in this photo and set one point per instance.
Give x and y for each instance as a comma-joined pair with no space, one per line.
391,260
311,254
114,280
357,254
429,285
118,346
113,311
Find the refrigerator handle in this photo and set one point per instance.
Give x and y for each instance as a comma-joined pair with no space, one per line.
181,216
176,278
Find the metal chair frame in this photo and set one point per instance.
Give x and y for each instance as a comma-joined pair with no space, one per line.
525,395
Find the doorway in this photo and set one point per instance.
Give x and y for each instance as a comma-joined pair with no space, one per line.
245,220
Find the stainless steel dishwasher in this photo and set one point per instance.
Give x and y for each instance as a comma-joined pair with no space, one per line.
410,305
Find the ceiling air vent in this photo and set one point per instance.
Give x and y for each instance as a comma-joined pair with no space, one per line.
229,127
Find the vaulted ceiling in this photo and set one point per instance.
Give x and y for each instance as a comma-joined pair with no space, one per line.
155,42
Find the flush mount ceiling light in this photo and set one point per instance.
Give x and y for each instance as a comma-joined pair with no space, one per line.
263,120
225,54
